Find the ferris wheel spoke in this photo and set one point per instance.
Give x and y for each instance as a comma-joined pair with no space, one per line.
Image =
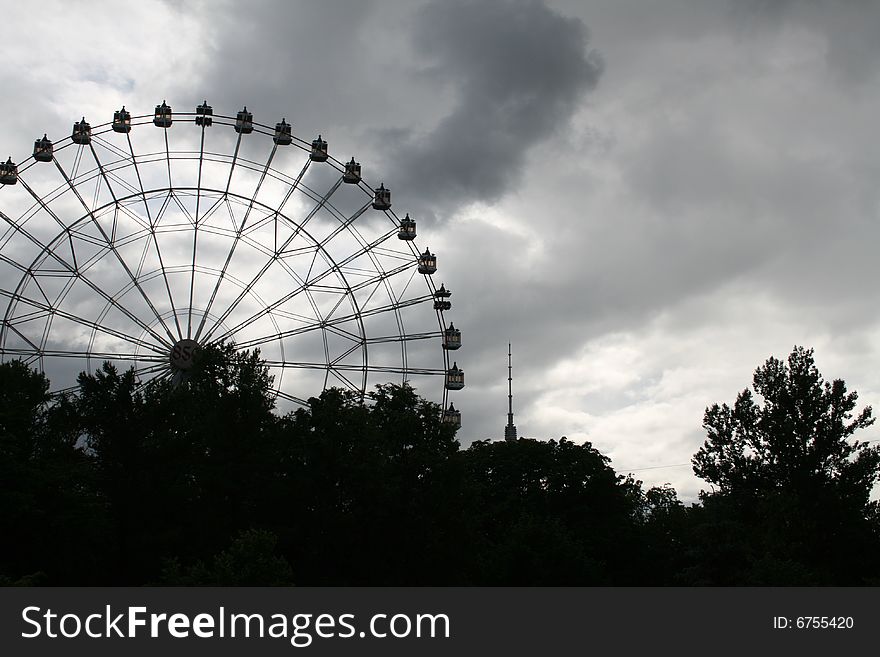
192,283
259,275
301,330
366,249
113,148
357,338
137,171
39,201
77,159
387,369
18,227
50,310
143,259
407,337
113,249
300,227
320,203
162,374
167,283
222,201
124,210
277,212
168,158
235,242
327,324
336,306
201,168
345,354
336,371
347,382
64,392
143,197
118,180
292,398
131,216
159,367
234,160
398,318
369,250
346,223
265,310
35,349
334,268
257,225
411,278
74,270
381,277
88,355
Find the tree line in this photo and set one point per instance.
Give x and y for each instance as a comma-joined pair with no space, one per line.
203,483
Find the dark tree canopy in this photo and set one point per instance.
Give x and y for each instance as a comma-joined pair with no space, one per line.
551,512
203,482
797,438
791,503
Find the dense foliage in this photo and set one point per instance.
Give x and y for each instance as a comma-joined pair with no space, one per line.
201,482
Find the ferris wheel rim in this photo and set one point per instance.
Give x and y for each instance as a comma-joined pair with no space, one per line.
336,269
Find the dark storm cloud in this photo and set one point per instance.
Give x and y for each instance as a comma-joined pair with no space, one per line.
303,60
441,101
517,70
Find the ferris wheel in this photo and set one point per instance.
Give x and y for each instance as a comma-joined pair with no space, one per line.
142,239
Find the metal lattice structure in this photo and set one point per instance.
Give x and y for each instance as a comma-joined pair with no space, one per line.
141,239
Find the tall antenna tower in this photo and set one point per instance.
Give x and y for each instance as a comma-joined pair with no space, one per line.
510,429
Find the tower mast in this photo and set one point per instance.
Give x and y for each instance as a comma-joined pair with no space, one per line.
510,429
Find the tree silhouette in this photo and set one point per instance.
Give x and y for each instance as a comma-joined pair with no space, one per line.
199,481
51,511
370,483
250,560
797,438
550,512
792,499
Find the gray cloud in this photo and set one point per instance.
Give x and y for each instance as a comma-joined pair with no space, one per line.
292,58
849,26
517,71
441,100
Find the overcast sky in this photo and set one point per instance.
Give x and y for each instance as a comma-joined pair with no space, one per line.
646,199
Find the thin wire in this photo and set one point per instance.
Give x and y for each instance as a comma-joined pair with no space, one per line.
681,465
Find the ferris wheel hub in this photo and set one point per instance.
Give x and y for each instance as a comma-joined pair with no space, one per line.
182,353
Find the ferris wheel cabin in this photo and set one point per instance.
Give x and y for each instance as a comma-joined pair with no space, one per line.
441,298
381,198
82,133
427,263
205,115
319,150
122,120
352,173
451,417
454,378
162,116
43,149
451,338
407,229
8,172
283,136
244,122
